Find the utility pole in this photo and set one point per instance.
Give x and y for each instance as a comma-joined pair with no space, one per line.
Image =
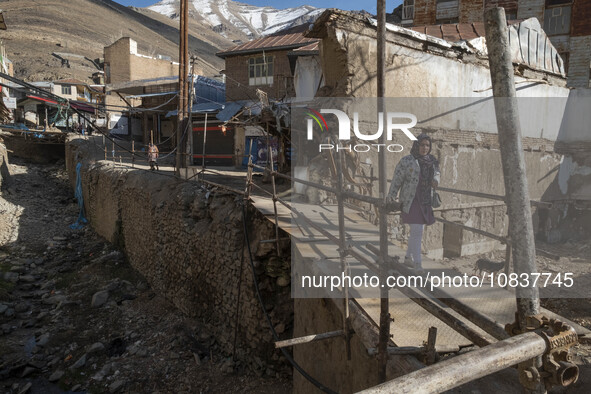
182,131
189,151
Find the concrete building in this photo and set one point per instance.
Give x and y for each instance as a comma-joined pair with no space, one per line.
74,89
565,21
123,63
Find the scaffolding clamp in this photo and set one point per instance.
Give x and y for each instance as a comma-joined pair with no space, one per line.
557,368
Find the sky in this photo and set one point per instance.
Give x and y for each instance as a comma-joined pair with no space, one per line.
280,4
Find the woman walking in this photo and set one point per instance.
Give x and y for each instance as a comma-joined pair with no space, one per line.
415,177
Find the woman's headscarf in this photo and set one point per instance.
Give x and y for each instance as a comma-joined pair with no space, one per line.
427,165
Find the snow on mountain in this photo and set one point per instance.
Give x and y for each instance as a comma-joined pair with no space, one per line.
251,20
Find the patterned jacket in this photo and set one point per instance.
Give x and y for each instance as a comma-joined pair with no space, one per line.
406,179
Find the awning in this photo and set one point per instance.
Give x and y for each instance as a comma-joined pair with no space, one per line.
200,109
83,107
42,99
152,94
229,111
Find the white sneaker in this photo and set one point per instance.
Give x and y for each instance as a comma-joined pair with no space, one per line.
408,262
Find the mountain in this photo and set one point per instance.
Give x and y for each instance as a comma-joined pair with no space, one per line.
233,19
82,28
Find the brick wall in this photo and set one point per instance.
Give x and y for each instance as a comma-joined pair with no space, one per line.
237,81
580,55
425,12
531,8
471,11
581,18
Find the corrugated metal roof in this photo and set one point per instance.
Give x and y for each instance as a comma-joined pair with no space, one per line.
308,48
276,42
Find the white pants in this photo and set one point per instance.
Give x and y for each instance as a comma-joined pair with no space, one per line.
414,244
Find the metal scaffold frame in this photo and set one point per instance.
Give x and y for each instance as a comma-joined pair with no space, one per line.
539,346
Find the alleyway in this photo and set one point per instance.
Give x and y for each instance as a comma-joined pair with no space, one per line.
74,316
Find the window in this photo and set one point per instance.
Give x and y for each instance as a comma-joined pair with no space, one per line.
260,70
557,18
67,90
408,10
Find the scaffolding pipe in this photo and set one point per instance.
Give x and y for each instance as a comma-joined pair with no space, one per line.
343,250
489,196
383,225
308,339
521,230
465,368
347,194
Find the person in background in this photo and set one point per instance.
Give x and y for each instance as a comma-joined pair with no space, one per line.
415,177
153,156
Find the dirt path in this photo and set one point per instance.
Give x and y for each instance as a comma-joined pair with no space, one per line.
75,316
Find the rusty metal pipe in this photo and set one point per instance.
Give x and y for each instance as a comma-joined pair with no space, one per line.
467,367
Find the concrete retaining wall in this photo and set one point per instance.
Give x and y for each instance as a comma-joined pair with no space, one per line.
188,243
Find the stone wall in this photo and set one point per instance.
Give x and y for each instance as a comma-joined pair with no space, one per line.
4,171
188,243
33,152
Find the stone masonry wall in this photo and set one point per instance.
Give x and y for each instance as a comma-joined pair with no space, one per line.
188,243
4,171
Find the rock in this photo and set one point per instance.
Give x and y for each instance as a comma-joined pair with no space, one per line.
26,388
99,298
57,375
76,388
43,340
283,281
116,386
21,307
142,352
49,283
27,278
19,269
280,328
3,308
54,300
11,277
95,348
27,371
9,312
105,370
80,363
58,238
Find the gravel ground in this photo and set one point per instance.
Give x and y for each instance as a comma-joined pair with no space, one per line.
74,316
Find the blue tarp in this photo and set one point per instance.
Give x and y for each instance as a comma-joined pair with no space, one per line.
81,219
229,110
209,90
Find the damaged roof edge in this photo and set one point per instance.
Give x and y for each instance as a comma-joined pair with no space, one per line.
547,60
